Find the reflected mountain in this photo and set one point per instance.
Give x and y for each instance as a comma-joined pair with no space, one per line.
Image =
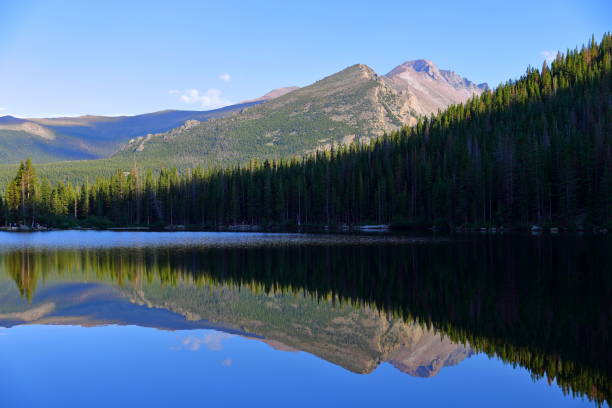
541,303
357,339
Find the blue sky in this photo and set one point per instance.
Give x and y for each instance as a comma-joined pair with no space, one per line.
128,57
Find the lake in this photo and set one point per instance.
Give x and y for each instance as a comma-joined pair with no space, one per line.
123,319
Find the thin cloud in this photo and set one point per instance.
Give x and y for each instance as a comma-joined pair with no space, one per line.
548,55
211,98
212,341
225,77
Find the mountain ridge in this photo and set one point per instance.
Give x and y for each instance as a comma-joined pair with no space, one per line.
353,105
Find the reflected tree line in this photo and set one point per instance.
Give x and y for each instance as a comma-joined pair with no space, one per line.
543,304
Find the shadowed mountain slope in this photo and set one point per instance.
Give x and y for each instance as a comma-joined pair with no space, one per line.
88,137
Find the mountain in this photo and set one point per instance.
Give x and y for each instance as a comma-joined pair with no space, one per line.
432,87
89,137
353,105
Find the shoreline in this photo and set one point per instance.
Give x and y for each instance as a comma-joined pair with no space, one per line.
358,229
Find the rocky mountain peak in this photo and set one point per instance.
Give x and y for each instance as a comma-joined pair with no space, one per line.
432,87
425,66
420,65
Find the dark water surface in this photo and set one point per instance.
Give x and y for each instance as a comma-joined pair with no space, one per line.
124,319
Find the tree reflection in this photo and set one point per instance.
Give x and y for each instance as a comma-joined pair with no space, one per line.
543,304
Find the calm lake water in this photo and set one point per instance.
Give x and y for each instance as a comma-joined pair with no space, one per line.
125,319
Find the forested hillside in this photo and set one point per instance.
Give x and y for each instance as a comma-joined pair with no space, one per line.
536,150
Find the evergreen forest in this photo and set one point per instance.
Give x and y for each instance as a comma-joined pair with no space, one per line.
537,150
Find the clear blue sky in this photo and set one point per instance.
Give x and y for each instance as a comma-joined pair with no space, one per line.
128,57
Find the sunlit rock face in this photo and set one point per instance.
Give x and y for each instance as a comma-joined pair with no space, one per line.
429,355
433,89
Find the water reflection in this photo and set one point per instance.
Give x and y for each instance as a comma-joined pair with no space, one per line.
540,303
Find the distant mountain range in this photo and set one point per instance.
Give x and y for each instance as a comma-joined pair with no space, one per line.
353,105
89,137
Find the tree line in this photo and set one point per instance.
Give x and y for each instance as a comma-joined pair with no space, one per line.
533,151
